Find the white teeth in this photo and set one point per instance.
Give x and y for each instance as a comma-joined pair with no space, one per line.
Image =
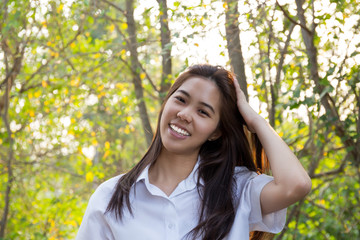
179,130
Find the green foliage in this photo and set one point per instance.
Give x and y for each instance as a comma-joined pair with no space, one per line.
74,120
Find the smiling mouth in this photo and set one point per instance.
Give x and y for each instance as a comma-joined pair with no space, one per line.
179,130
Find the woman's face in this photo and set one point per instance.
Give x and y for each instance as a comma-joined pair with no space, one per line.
191,116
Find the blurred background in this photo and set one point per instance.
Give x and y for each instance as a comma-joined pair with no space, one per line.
81,83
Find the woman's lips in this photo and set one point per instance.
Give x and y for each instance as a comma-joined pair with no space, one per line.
178,132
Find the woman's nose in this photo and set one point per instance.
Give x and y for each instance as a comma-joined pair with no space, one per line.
185,116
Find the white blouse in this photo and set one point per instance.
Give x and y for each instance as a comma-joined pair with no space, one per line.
157,216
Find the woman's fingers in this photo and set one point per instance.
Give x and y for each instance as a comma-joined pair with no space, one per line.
244,107
239,93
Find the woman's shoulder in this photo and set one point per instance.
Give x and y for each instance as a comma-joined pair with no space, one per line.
109,184
243,176
244,172
104,192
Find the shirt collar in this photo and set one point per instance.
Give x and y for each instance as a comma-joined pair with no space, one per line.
188,183
144,174
191,180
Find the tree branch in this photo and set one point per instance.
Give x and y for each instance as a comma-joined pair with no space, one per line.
165,48
333,172
126,63
291,19
114,6
289,218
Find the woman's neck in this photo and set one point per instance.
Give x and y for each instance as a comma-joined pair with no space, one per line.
170,169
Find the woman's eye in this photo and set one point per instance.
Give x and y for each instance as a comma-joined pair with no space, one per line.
202,112
180,99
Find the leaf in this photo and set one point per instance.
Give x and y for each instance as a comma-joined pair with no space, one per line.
37,94
125,99
60,8
88,161
129,119
354,54
127,129
120,86
123,26
112,28
44,84
122,52
31,113
75,82
107,153
326,90
89,177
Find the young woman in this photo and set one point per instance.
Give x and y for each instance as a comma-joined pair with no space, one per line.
201,177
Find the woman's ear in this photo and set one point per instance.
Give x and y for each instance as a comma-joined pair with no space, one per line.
215,135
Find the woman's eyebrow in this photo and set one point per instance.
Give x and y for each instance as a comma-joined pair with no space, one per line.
202,103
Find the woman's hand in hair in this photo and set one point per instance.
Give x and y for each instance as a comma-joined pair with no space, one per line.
249,115
291,181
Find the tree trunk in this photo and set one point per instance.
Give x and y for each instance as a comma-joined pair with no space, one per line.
139,92
165,49
11,74
9,160
326,100
275,87
4,109
233,43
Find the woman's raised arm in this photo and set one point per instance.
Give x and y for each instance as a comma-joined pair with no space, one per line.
291,181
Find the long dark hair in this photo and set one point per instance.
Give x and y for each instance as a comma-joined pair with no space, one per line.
235,147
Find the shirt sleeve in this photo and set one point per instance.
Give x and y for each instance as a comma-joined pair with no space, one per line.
94,225
273,222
